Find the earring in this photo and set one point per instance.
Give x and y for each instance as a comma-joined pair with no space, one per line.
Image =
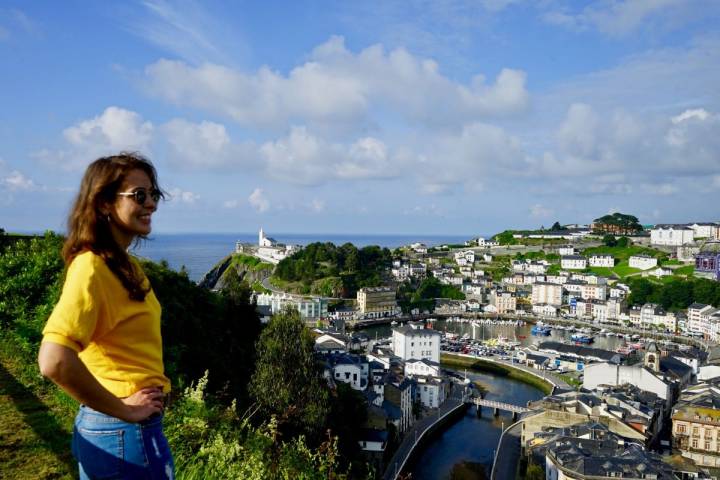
108,218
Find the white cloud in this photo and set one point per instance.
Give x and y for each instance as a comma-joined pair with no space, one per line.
338,87
177,195
307,159
231,204
540,211
619,18
205,145
188,30
259,201
696,113
114,130
16,181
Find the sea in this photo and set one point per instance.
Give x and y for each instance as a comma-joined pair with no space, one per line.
199,252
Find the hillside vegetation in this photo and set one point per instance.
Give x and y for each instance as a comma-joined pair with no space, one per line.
329,270
207,336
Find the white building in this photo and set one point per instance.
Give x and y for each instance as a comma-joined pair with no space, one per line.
413,341
430,391
601,261
545,310
547,293
672,235
309,307
419,248
504,302
652,315
352,370
573,262
465,258
481,242
566,250
710,231
643,262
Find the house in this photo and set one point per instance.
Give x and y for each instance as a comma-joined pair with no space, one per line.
547,293
643,262
376,302
652,315
309,307
350,369
545,310
430,391
601,261
696,424
710,231
503,301
573,262
398,401
600,454
419,248
661,375
566,250
413,341
672,235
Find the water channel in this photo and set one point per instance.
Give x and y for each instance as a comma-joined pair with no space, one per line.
472,439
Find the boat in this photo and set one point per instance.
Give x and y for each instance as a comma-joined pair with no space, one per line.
582,338
610,334
540,330
635,337
393,323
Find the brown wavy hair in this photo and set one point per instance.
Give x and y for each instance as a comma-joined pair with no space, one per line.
89,230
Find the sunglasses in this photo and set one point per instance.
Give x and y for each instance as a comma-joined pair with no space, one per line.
140,195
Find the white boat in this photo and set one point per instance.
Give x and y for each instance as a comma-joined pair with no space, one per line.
610,334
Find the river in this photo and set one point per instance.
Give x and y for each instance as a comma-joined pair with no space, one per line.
472,439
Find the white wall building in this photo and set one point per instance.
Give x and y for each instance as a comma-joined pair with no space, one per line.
573,262
566,250
547,293
597,374
309,307
672,235
416,342
601,261
710,231
643,262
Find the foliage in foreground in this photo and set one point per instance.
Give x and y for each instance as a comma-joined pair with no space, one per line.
212,442
208,439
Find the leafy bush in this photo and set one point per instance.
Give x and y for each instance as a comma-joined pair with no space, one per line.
209,441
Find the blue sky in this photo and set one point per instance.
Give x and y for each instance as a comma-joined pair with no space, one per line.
442,116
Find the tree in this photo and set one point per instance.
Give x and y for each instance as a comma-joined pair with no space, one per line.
623,242
287,381
609,240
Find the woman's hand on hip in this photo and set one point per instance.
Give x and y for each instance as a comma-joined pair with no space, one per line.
143,403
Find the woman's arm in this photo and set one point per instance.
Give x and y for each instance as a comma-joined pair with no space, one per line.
63,366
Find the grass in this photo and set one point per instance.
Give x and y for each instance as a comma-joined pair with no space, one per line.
37,420
571,380
454,361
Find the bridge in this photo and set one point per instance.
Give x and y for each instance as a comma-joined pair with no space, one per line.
497,406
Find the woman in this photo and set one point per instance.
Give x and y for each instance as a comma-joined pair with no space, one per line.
102,342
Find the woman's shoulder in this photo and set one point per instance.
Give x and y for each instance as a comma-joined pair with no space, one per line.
88,261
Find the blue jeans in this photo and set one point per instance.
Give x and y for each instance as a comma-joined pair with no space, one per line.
109,448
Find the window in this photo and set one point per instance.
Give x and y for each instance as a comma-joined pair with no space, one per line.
707,445
681,428
694,443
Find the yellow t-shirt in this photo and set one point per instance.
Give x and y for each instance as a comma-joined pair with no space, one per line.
117,338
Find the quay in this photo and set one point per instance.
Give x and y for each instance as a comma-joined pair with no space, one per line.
419,433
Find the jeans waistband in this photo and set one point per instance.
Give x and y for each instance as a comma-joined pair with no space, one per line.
93,415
